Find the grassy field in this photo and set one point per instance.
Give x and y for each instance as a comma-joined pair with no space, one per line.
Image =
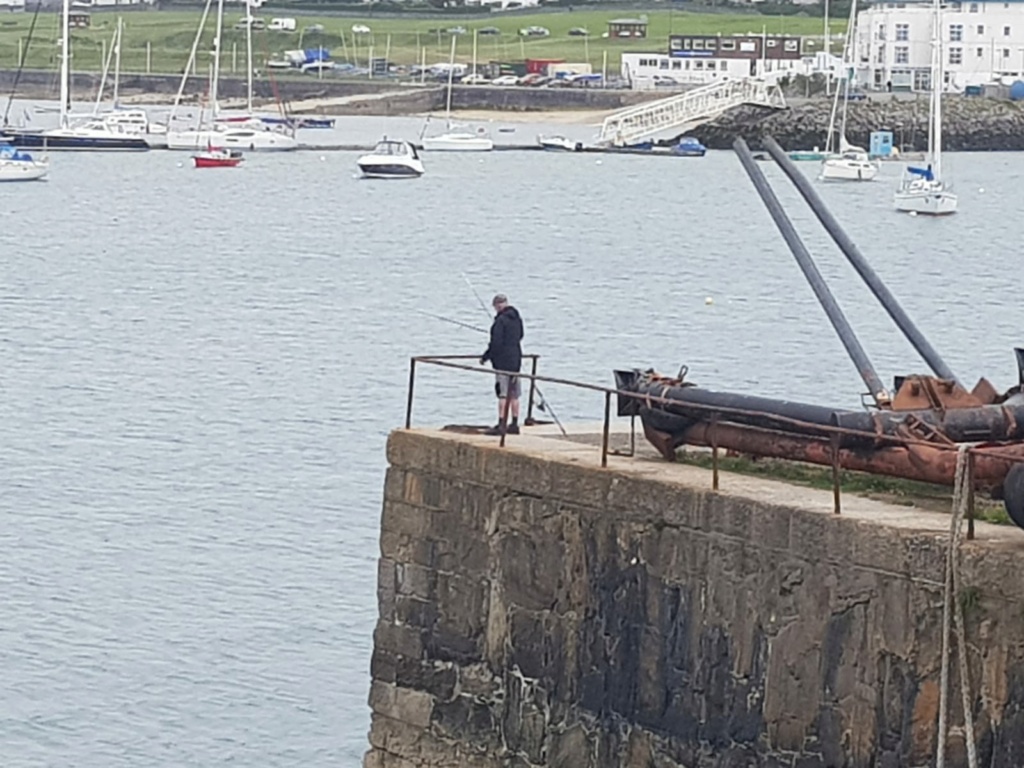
169,36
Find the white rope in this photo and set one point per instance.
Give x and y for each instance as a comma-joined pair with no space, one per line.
953,605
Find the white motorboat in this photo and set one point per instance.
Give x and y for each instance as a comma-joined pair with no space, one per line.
16,165
853,164
560,143
923,190
248,138
391,160
456,139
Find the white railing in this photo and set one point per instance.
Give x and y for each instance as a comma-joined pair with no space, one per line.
687,110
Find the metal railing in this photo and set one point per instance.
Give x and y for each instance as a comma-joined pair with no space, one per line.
715,414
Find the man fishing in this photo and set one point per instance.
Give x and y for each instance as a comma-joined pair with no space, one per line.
506,356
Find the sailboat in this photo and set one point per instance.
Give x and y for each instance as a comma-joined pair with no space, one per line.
850,163
923,190
236,132
93,134
456,139
134,122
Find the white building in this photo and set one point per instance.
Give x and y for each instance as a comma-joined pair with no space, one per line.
982,43
699,59
12,5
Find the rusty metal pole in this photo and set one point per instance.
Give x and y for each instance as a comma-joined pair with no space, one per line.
859,263
867,372
714,452
836,489
607,426
970,495
412,385
533,388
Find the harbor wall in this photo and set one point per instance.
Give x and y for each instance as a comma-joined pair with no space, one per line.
970,124
538,610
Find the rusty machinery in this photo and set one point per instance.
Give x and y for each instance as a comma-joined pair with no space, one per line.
910,432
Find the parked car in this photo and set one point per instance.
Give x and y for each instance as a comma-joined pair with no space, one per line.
664,81
314,29
281,25
530,79
456,30
505,80
578,32
360,29
474,79
856,96
254,21
534,32
489,31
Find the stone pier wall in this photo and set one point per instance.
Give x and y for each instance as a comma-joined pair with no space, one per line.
536,610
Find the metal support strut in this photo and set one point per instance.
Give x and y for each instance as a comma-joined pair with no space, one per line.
809,268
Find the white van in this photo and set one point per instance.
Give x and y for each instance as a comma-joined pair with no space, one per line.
282,25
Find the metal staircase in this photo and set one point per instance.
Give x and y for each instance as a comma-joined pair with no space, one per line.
686,110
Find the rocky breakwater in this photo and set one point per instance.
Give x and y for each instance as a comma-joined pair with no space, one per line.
969,124
538,610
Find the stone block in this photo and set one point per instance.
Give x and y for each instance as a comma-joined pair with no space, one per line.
398,639
403,548
468,721
439,679
728,515
467,555
478,680
531,570
386,589
413,612
433,453
399,517
770,526
517,472
571,748
585,486
383,666
415,581
402,704
394,484
422,490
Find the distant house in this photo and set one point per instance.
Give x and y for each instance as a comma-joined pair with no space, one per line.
79,19
12,5
627,28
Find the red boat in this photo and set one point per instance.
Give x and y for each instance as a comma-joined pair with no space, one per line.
218,158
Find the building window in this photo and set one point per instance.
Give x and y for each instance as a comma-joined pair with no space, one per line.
1006,31
677,64
973,8
880,56
902,32
981,29
698,65
663,64
981,52
956,55
791,45
698,45
772,43
956,33
727,45
881,32
1006,53
710,45
902,54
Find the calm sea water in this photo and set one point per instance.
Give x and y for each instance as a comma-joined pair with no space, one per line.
199,370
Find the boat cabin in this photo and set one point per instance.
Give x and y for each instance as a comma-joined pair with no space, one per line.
395,149
79,19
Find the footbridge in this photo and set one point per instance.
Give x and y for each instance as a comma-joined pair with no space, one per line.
686,110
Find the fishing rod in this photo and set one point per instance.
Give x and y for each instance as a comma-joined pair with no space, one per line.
453,321
543,403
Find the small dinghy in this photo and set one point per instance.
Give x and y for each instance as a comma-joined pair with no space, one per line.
218,158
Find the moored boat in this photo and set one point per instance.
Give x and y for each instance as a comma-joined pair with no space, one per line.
560,143
16,165
391,160
688,146
218,158
805,155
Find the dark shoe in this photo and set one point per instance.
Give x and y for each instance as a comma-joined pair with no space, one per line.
513,429
495,430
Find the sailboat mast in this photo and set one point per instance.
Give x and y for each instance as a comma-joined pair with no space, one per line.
935,132
65,65
191,62
248,58
117,60
216,57
451,75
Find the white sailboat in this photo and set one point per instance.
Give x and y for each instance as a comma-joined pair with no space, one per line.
923,190
92,135
849,163
16,165
238,132
456,139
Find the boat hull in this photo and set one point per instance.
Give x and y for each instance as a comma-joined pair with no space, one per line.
926,203
848,170
411,169
807,156
23,171
58,142
217,162
458,144
253,141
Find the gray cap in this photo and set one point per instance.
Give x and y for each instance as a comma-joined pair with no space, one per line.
499,298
